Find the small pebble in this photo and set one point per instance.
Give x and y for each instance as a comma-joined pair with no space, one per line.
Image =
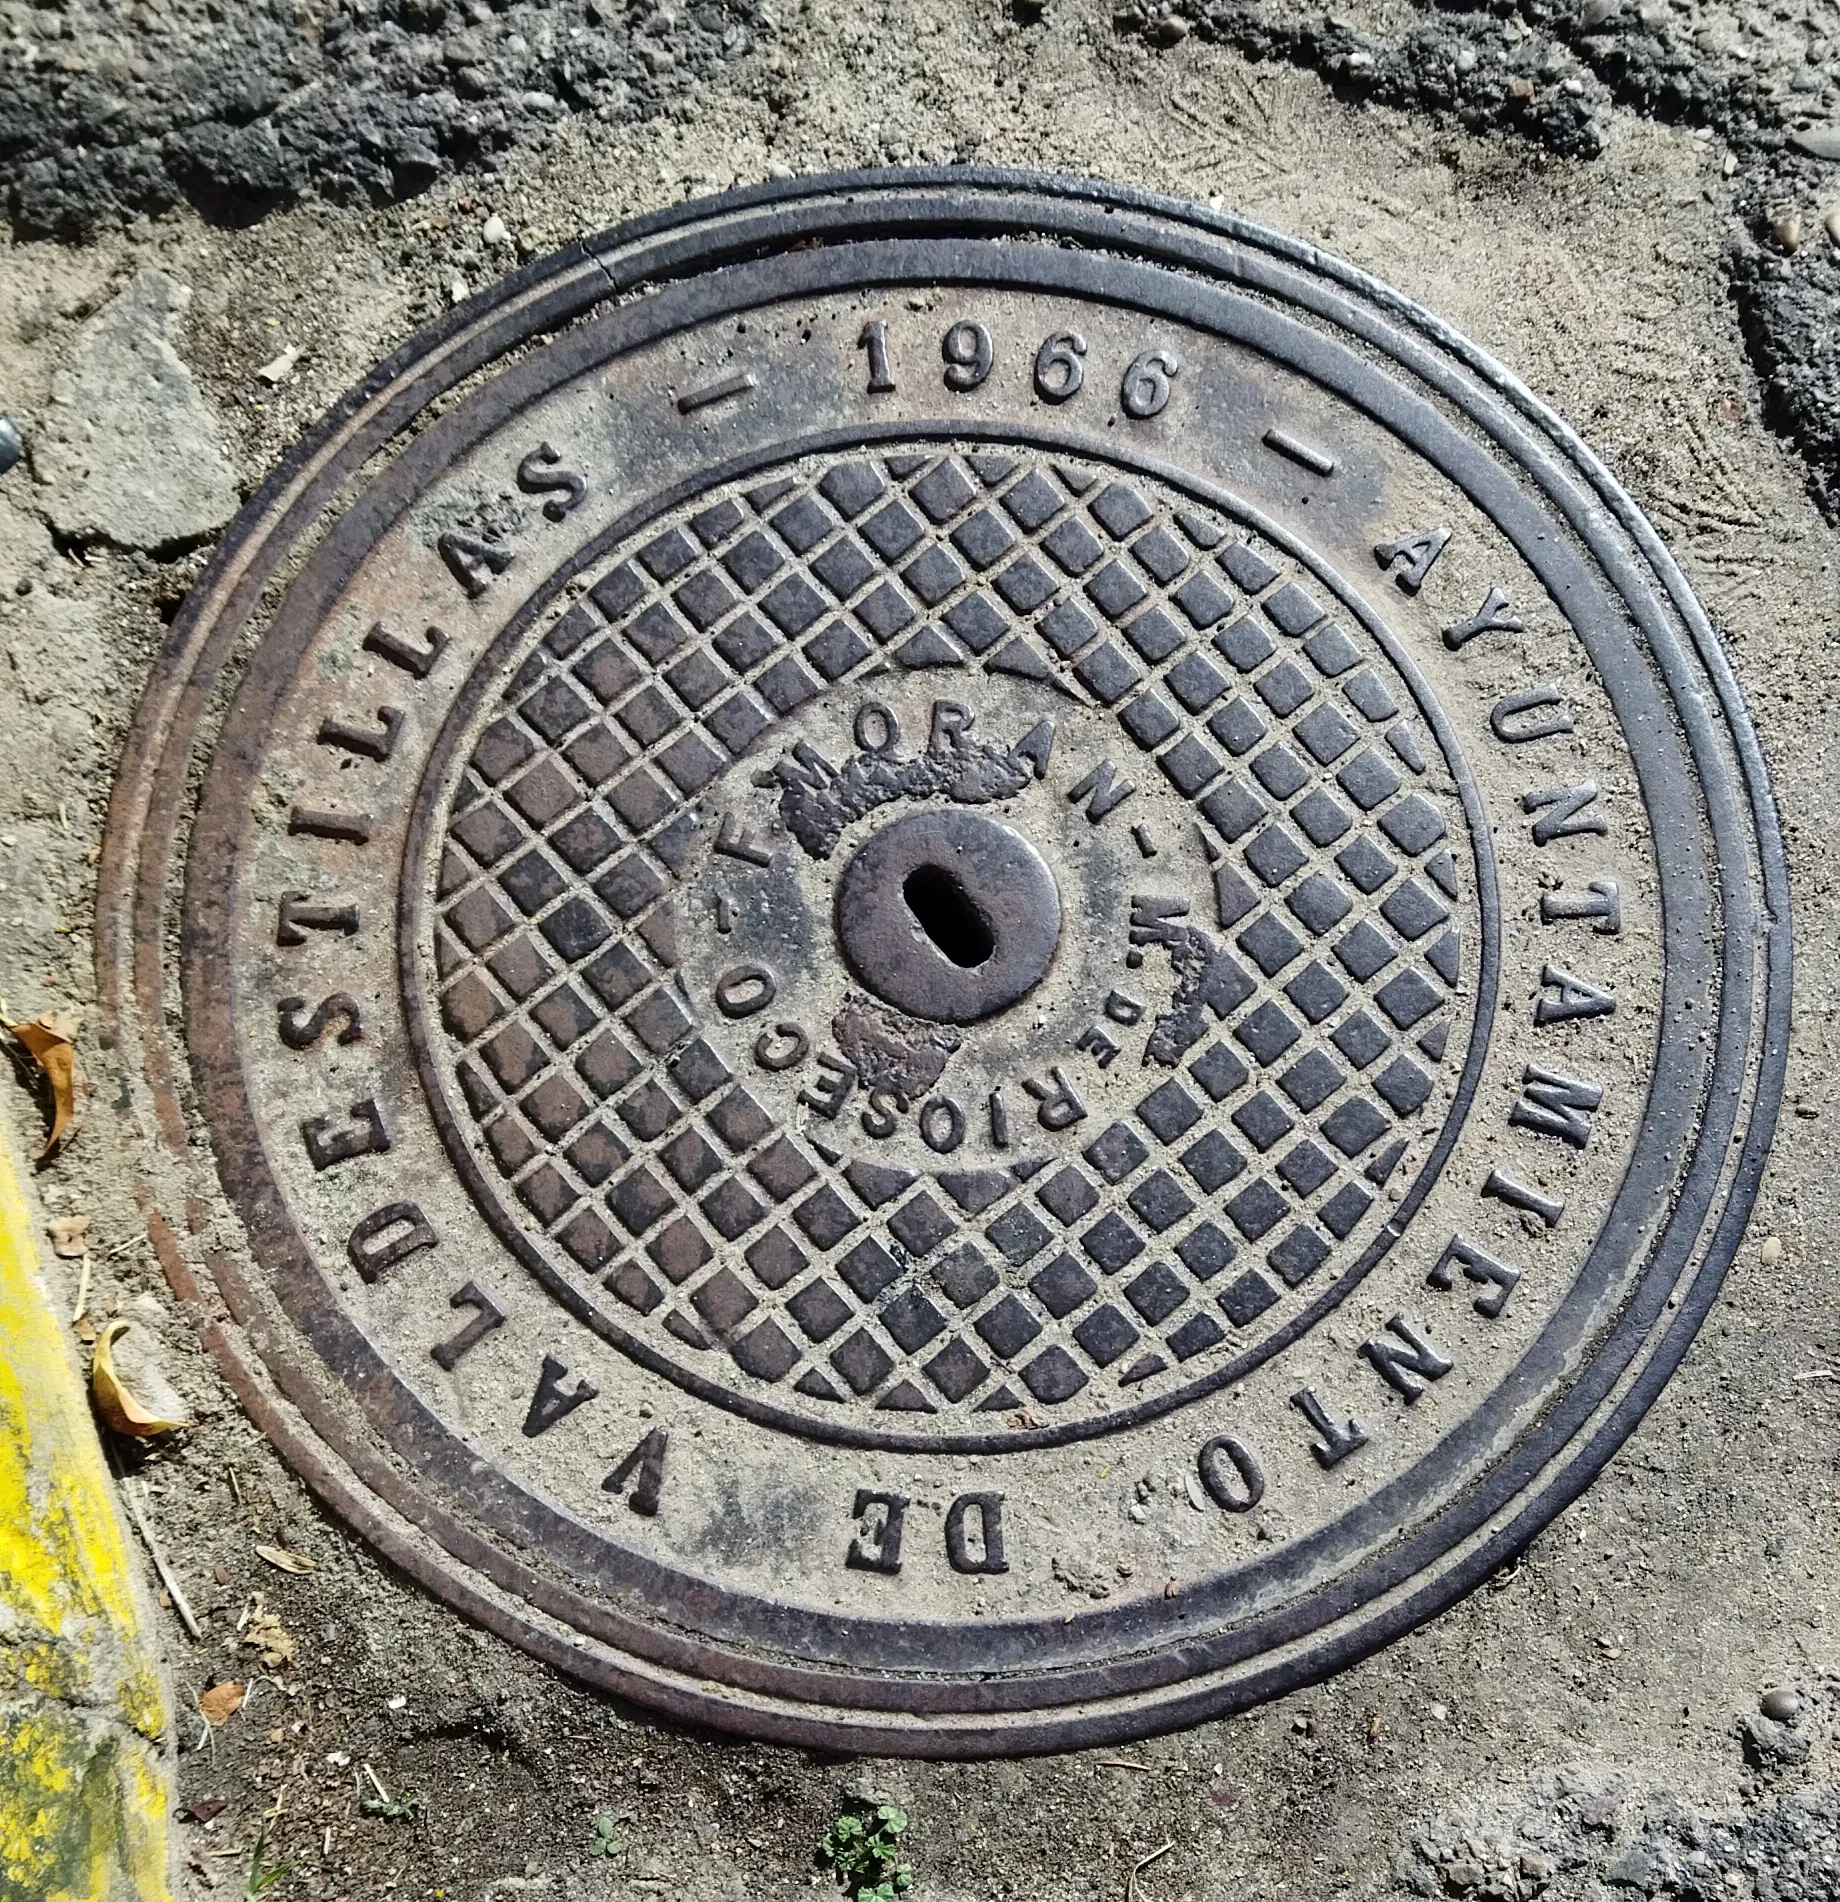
495,230
1171,32
1595,12
1781,1705
1832,221
11,443
1787,230
1771,1252
778,168
457,293
1196,1497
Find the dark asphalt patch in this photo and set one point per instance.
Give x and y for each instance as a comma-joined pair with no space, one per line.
108,111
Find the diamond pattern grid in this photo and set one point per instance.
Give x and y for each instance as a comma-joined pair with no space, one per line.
623,1129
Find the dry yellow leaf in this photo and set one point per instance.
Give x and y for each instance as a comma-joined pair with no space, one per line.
284,1560
48,1041
222,1701
267,1634
69,1236
113,1401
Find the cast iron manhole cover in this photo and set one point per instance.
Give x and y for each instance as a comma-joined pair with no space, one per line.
978,963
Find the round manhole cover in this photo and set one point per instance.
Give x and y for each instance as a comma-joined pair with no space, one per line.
979,964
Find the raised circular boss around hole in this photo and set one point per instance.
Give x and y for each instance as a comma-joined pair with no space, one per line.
950,916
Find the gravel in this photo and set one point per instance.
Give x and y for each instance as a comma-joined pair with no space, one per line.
1584,1833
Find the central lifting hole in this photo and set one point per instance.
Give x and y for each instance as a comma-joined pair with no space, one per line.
944,911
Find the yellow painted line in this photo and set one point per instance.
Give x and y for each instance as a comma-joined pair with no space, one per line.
84,1796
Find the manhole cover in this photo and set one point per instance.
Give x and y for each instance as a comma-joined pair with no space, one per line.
979,964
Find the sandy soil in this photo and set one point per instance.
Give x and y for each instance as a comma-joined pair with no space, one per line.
1577,1723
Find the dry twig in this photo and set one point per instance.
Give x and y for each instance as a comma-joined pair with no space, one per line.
1131,1891
174,1590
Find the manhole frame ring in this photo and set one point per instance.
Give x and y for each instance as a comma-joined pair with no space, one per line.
148,817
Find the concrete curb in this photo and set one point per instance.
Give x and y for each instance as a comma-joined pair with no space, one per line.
84,1789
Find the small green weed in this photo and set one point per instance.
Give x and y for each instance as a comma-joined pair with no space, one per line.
263,1876
396,1809
863,1854
606,1840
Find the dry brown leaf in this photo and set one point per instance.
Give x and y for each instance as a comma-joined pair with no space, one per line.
113,1401
222,1701
267,1634
49,1042
284,1560
69,1236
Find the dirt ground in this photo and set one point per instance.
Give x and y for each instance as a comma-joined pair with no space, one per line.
1586,1724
